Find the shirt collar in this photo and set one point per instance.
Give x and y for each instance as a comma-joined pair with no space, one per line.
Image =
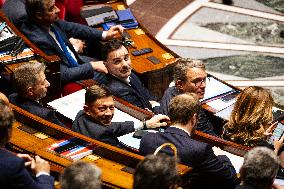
178,127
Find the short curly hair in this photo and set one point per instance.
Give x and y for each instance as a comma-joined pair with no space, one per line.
182,66
26,76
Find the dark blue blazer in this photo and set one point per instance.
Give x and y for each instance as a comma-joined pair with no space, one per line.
35,108
43,40
135,94
108,134
170,93
13,174
203,124
209,171
15,10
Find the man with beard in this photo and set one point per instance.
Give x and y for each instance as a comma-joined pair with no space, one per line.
189,76
95,120
209,170
31,86
122,82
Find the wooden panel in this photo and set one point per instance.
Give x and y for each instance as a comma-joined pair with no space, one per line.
112,159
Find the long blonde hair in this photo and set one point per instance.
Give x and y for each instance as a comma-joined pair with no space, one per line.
251,115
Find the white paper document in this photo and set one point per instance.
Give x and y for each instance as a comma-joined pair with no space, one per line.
215,88
131,142
71,104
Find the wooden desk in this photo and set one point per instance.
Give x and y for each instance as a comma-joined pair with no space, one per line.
111,161
156,77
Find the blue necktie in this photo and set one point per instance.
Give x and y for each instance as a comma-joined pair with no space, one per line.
72,62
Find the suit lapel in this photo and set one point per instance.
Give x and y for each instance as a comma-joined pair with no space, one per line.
137,89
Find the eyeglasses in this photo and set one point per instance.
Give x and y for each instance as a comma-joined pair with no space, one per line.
198,82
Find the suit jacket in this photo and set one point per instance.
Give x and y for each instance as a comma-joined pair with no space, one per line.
35,108
43,40
107,134
209,171
170,93
135,93
203,124
13,174
15,11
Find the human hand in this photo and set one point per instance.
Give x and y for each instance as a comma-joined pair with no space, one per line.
78,44
154,122
4,98
28,159
278,143
277,186
114,32
270,129
99,66
40,165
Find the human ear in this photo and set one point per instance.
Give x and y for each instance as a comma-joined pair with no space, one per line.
87,110
38,16
179,85
30,91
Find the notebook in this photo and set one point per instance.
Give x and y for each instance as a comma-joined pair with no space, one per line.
125,18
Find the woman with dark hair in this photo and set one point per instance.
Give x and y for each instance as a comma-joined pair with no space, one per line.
250,123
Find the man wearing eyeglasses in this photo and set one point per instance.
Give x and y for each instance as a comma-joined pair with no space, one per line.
122,82
189,76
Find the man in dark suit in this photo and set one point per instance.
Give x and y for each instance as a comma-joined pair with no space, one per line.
209,171
31,86
189,76
13,173
50,34
95,120
122,82
259,169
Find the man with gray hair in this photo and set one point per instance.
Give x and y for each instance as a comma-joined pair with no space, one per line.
83,175
157,172
259,169
189,76
31,86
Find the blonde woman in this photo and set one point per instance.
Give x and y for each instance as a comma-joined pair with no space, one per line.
250,123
